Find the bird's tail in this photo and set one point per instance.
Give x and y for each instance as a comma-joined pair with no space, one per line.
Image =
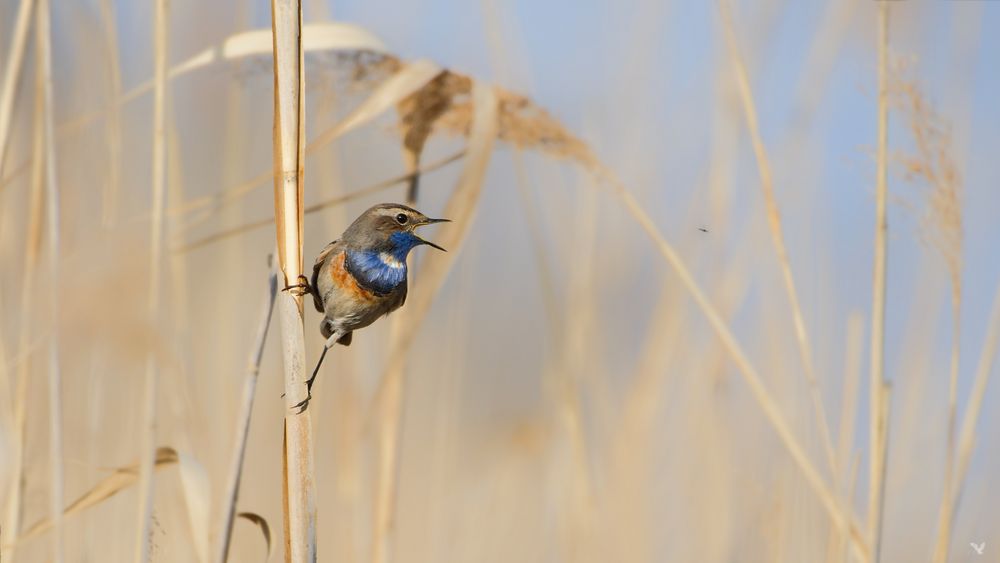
327,330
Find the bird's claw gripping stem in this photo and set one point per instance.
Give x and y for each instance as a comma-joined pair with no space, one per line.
301,288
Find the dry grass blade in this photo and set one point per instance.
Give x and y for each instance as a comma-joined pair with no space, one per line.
521,123
197,495
23,167
231,492
321,36
986,362
263,526
460,209
121,479
940,226
44,79
837,512
408,80
339,200
109,207
12,523
849,397
389,93
967,437
777,234
12,73
878,418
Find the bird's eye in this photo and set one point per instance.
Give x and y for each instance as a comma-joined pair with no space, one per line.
402,218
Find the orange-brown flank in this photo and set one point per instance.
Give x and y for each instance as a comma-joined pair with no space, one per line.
346,282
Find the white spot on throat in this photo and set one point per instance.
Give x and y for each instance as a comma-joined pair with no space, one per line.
391,261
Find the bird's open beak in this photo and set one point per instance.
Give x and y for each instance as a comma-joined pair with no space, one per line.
431,222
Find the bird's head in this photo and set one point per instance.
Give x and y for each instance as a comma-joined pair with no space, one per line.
389,226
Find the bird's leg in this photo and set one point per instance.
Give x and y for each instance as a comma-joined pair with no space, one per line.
301,288
309,383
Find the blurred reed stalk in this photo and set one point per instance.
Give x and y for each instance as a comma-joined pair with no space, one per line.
418,128
777,234
147,455
231,492
12,74
841,515
460,209
967,438
43,53
112,186
15,497
846,469
942,227
878,389
299,498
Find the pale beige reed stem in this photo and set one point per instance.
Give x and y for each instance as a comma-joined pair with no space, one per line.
387,474
147,455
289,144
840,514
12,74
877,390
231,492
112,185
44,55
967,437
777,235
388,403
33,240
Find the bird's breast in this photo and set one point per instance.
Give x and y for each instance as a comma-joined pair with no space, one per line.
376,271
345,283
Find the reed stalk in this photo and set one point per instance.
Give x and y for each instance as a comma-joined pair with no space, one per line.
232,488
839,513
849,395
777,235
319,206
43,54
147,457
388,403
877,390
12,74
112,185
952,495
387,474
299,498
967,438
33,240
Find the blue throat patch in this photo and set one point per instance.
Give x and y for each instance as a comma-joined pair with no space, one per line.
382,270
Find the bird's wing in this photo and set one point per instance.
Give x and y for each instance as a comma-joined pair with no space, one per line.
327,251
400,298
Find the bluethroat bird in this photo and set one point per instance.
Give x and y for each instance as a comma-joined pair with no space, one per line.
362,275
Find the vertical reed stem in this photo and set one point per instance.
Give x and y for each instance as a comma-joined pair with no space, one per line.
112,185
12,72
33,238
289,146
778,237
148,427
231,492
44,54
878,400
392,411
